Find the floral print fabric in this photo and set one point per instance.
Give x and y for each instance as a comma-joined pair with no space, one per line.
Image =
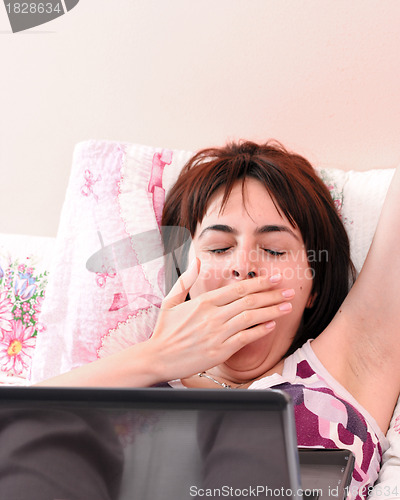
23,280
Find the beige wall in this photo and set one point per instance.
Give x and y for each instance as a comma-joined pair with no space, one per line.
322,76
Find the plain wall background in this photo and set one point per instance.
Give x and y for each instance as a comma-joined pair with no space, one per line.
322,76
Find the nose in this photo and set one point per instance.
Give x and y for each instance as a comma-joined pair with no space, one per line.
242,275
245,263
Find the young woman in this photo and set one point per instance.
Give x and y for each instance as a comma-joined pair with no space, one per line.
270,271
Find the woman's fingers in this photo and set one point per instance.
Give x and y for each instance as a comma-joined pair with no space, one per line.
244,337
249,318
235,291
256,301
179,291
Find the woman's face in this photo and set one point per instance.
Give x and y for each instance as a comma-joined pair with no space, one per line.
251,238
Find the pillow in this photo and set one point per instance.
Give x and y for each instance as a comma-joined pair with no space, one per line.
388,484
358,197
24,264
115,191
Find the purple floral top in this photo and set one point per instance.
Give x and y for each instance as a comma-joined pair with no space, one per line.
328,416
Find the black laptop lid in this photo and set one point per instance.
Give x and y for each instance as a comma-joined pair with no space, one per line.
95,444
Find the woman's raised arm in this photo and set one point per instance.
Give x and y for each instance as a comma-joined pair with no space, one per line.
361,347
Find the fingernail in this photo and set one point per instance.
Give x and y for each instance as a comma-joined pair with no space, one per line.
288,293
275,278
270,324
286,306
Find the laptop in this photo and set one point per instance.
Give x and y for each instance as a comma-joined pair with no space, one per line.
158,444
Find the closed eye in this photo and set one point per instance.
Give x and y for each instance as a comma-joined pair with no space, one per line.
220,250
273,252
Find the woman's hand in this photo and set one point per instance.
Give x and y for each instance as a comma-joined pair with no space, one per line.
196,335
189,337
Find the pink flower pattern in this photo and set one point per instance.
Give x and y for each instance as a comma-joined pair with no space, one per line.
396,426
39,303
16,349
6,315
21,297
336,194
101,278
90,181
155,184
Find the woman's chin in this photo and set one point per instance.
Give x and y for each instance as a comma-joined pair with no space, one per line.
251,357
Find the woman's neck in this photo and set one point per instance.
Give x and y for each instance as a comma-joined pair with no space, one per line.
216,378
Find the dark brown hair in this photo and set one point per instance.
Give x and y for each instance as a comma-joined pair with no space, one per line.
298,193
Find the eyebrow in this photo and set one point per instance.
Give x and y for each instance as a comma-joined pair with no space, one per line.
269,228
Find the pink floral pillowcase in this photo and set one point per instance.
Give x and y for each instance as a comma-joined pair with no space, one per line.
24,265
105,289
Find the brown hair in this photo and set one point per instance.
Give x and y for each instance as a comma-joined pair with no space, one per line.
297,191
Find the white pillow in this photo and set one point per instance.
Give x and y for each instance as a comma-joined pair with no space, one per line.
359,197
388,484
